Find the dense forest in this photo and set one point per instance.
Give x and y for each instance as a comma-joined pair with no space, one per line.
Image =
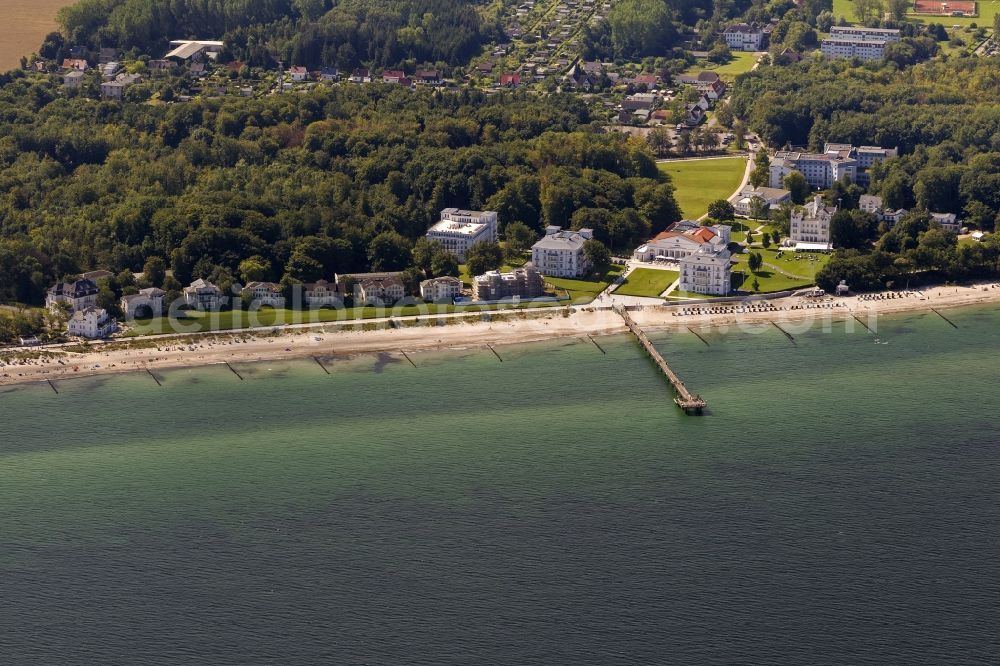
337,180
314,33
943,115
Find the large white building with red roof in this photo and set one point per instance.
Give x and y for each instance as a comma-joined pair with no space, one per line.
681,240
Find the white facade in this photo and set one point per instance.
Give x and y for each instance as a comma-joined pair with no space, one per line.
203,295
707,271
441,290
682,241
822,170
151,298
78,295
92,323
772,198
560,253
948,221
264,293
858,42
459,230
811,225
322,294
745,37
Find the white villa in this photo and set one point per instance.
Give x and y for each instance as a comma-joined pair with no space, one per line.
151,298
810,226
321,294
203,295
772,197
264,293
379,291
79,295
92,322
441,290
747,36
707,271
459,230
871,203
682,240
560,253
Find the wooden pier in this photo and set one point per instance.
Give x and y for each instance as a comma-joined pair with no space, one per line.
690,403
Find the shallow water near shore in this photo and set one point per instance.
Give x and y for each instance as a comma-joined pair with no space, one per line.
838,504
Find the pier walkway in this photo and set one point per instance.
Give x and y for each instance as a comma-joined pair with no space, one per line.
686,400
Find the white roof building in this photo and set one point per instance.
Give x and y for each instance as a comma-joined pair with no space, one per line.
458,230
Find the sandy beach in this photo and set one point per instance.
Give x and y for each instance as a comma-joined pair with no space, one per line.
794,315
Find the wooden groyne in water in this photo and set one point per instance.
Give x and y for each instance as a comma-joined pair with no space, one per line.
690,403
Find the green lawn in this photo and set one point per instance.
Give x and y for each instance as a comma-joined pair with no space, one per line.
647,282
742,62
584,290
796,270
700,182
987,10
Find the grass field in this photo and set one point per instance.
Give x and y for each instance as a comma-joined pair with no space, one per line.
796,270
28,21
585,290
742,62
649,282
987,10
700,182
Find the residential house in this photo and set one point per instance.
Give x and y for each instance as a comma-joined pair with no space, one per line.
681,240
115,90
771,196
151,298
361,75
78,295
747,36
510,80
379,291
393,76
707,271
560,253
441,290
873,204
263,293
458,230
92,322
329,74
75,64
428,77
203,295
298,73
810,226
73,79
519,283
109,70
948,221
322,294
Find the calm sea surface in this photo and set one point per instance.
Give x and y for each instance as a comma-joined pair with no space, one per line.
840,505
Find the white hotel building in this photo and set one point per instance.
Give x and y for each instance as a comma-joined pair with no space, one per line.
560,253
858,42
459,230
707,271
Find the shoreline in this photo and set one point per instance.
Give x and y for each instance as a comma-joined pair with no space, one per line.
437,334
